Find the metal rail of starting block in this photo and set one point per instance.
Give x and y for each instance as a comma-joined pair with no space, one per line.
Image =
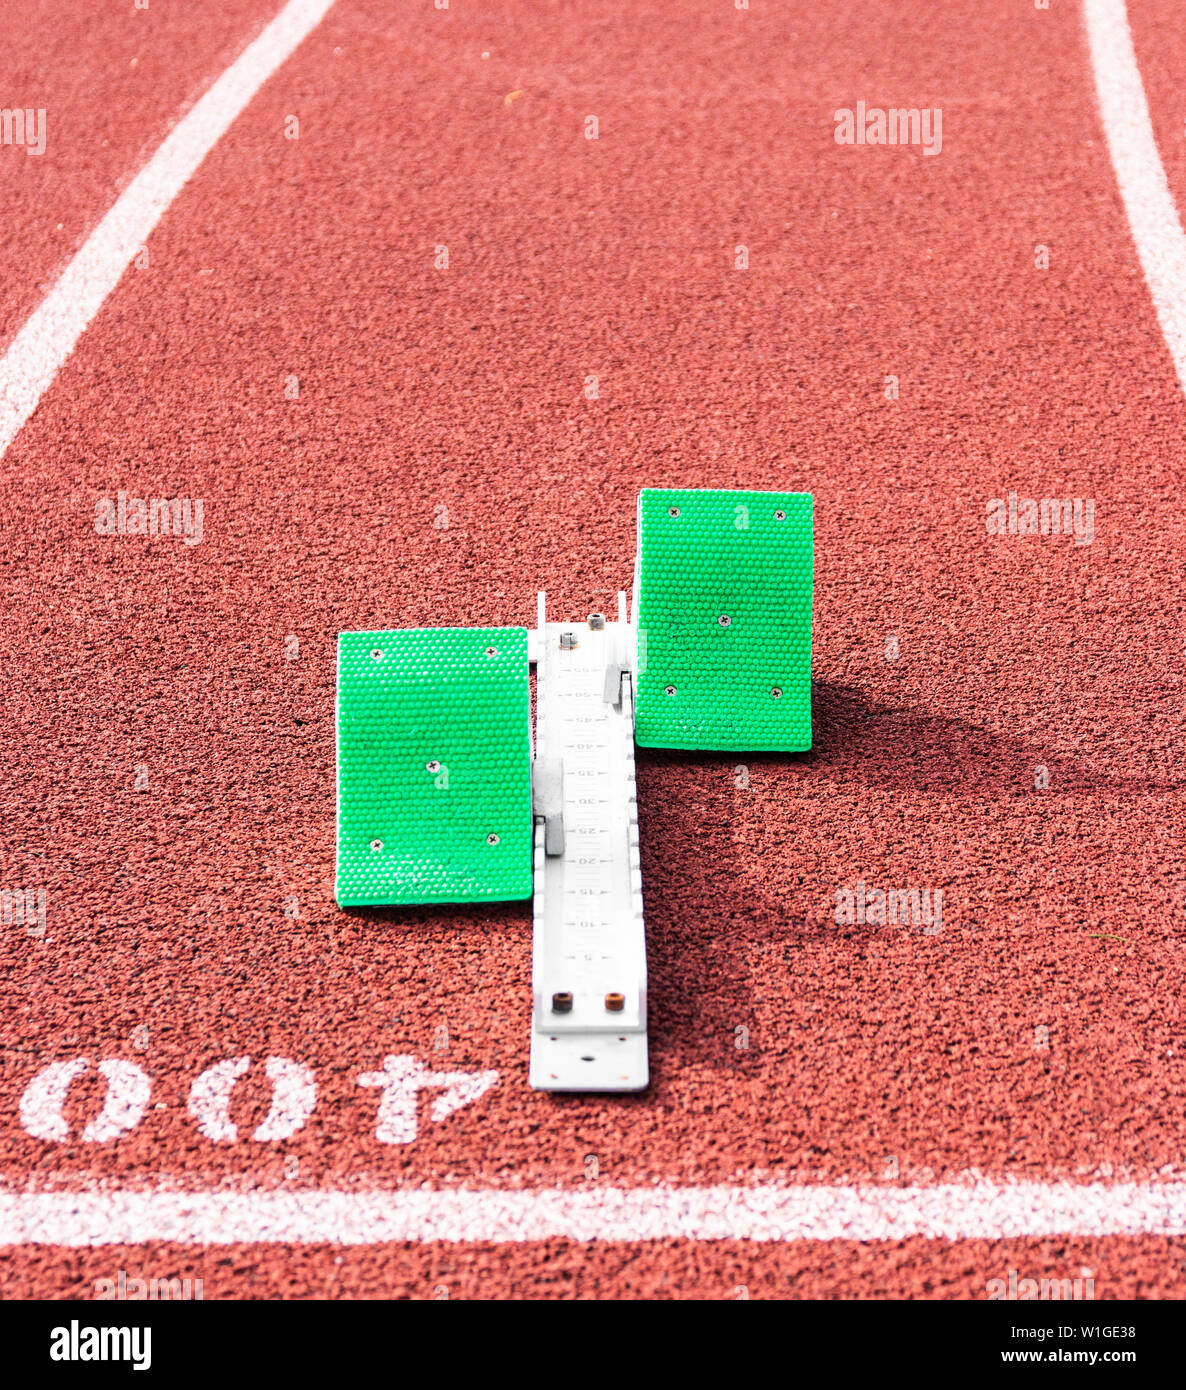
589,972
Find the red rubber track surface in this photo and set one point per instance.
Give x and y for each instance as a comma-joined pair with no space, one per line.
111,80
464,388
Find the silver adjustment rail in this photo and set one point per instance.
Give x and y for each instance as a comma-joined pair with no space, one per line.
589,973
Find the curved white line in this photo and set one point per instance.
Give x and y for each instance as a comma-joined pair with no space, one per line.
1160,241
36,354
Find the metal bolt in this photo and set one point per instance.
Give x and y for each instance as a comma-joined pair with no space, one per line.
776,693
669,690
725,620
433,766
673,511
376,844
377,654
780,515
568,641
491,651
492,839
597,621
615,1003
562,1002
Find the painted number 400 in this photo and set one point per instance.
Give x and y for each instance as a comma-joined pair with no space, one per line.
398,1083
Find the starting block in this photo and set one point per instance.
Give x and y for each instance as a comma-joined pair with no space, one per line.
444,796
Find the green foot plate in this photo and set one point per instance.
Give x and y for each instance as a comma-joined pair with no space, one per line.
434,766
724,620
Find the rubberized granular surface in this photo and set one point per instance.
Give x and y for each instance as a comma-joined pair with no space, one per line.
416,364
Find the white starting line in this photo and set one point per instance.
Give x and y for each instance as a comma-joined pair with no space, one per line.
980,1211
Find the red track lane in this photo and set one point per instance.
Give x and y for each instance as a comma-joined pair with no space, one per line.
664,1269
112,80
422,388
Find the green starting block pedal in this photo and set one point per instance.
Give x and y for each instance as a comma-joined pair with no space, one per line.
723,609
434,766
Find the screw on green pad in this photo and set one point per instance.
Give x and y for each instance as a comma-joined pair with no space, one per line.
434,766
724,620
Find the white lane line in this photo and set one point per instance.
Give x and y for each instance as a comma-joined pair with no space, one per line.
981,1211
1160,241
47,338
